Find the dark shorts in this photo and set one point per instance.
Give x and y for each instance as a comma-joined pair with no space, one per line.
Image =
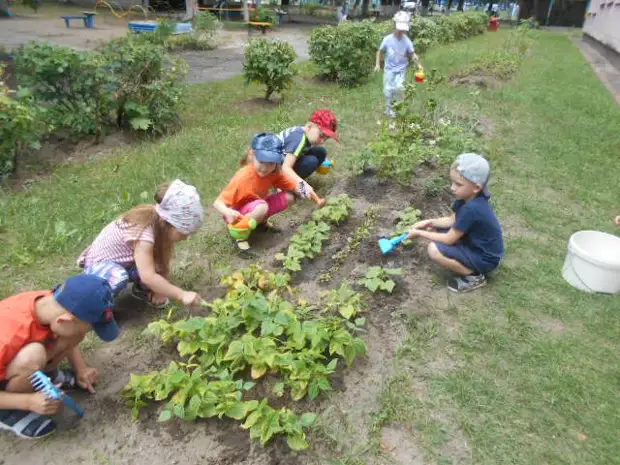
467,257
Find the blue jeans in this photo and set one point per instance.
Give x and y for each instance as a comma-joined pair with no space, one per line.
311,159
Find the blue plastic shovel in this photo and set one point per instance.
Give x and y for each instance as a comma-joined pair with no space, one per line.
40,382
387,245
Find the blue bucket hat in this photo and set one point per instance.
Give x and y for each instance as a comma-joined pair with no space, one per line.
475,168
268,148
89,298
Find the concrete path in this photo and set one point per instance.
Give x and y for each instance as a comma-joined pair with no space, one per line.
607,69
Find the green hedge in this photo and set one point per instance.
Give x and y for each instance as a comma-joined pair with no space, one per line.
346,53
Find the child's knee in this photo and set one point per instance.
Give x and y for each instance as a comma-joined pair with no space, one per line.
433,251
290,199
261,210
30,358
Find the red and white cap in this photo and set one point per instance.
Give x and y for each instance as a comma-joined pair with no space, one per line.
327,123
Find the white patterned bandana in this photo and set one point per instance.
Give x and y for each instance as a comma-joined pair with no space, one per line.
181,207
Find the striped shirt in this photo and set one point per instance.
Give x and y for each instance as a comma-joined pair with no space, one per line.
116,244
295,141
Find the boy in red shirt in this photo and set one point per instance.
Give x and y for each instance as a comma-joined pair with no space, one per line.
38,330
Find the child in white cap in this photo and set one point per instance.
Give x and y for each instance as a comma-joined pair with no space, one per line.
138,246
397,50
470,241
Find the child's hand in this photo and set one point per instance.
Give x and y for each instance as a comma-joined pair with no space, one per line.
413,232
424,224
617,221
87,377
232,216
191,299
41,404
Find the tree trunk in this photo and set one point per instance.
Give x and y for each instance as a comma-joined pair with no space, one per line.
459,7
4,7
365,5
424,9
449,5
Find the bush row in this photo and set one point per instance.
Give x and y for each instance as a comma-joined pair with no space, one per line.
130,82
345,53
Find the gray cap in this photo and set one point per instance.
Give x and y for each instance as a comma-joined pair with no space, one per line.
475,168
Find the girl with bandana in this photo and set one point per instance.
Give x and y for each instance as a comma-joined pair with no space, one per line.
138,246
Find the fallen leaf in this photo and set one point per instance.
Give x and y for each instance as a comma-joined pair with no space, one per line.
385,447
582,437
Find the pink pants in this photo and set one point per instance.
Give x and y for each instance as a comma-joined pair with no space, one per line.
276,203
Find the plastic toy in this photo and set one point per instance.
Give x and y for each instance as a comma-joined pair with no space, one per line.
388,245
40,382
326,167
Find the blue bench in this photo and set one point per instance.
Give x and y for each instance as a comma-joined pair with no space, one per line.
87,17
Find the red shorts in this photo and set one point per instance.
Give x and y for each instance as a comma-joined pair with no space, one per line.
276,203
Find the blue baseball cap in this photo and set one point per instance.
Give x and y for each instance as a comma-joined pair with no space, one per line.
268,148
475,168
89,298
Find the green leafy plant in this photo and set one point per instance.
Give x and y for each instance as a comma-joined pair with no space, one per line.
335,211
22,124
253,330
149,85
407,218
352,245
423,132
378,279
308,241
270,63
345,53
434,185
264,15
345,301
72,84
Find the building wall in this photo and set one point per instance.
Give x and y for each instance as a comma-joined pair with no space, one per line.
603,23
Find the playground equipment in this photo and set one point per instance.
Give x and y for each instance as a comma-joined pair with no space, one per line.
122,14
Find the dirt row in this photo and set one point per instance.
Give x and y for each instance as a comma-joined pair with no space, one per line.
107,434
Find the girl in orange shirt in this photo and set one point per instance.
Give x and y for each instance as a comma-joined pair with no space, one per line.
245,203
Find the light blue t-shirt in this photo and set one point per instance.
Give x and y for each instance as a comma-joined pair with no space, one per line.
396,52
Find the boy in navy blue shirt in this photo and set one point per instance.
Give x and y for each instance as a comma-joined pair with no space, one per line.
470,241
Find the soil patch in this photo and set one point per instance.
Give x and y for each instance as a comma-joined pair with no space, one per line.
398,442
59,150
113,436
476,81
255,105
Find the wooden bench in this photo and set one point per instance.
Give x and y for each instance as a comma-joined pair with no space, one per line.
259,25
87,16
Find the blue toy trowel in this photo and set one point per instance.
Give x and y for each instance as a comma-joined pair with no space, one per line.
387,245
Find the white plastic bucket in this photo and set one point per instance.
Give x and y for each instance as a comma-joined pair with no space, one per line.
593,262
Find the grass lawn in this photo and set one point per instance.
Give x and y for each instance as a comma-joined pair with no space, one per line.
534,369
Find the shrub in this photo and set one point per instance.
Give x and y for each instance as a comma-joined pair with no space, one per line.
21,126
423,132
270,63
345,53
148,85
264,15
71,83
130,81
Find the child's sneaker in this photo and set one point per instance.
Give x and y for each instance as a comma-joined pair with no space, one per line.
467,283
26,425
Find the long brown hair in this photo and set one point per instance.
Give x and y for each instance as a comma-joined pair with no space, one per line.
144,216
